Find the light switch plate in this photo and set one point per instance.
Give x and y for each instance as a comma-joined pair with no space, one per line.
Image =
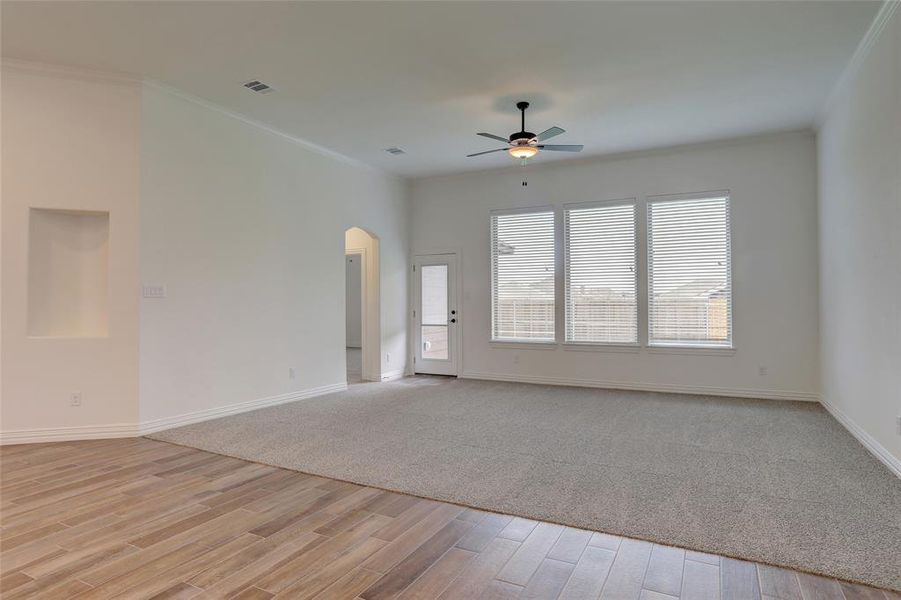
154,291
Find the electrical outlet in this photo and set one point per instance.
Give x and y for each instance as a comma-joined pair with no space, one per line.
291,373
75,399
516,359
762,371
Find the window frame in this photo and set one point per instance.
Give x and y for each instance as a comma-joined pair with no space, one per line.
502,342
683,347
624,346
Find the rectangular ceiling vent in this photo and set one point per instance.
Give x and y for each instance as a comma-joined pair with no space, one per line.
259,87
395,150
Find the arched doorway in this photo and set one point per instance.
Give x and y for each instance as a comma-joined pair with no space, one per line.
362,331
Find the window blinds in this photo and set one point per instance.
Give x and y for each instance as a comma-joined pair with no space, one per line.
689,272
600,274
522,276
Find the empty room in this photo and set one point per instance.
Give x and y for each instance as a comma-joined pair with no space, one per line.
444,300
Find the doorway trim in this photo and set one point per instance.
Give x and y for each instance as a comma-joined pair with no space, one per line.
461,312
367,246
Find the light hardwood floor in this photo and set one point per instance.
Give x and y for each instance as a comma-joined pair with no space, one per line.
140,518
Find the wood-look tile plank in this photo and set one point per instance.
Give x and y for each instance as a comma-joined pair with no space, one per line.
322,575
587,579
12,580
652,595
500,590
409,569
570,545
814,587
738,580
484,531
700,581
852,591
179,591
473,515
518,529
321,555
403,545
70,510
350,585
664,573
628,569
530,554
779,583
605,540
703,557
391,504
436,579
407,519
481,571
548,580
252,593
261,566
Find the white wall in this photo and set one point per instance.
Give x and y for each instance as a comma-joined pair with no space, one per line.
70,142
772,180
246,229
860,242
244,226
353,302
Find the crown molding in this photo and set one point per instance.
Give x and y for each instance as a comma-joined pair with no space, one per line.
858,57
70,72
94,75
306,144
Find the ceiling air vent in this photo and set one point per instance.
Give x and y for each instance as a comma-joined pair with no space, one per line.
395,150
258,87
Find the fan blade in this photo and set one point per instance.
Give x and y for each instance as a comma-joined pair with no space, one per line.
494,137
562,148
549,133
487,152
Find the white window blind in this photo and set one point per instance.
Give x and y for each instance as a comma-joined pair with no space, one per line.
600,274
522,276
689,272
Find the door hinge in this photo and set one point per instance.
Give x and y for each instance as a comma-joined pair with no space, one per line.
414,268
414,360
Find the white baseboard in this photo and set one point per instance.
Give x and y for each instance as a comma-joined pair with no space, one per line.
649,387
89,432
868,442
392,375
233,409
68,434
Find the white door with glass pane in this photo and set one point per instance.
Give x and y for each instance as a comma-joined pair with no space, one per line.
435,314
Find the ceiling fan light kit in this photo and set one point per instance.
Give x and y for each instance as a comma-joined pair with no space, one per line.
523,144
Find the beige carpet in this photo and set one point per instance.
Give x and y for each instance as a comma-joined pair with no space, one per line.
775,482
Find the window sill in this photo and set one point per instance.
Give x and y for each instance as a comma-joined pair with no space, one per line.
586,347
693,350
524,345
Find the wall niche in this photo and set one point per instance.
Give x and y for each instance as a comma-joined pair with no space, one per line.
68,273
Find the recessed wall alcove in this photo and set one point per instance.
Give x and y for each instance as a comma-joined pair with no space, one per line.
68,274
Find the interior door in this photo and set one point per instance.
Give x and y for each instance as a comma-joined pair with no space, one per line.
435,314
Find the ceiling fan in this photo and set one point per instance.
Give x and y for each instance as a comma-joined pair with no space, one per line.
525,144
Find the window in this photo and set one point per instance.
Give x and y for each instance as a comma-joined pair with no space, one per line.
600,277
522,276
689,272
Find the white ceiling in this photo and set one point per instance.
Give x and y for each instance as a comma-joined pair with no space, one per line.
359,77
